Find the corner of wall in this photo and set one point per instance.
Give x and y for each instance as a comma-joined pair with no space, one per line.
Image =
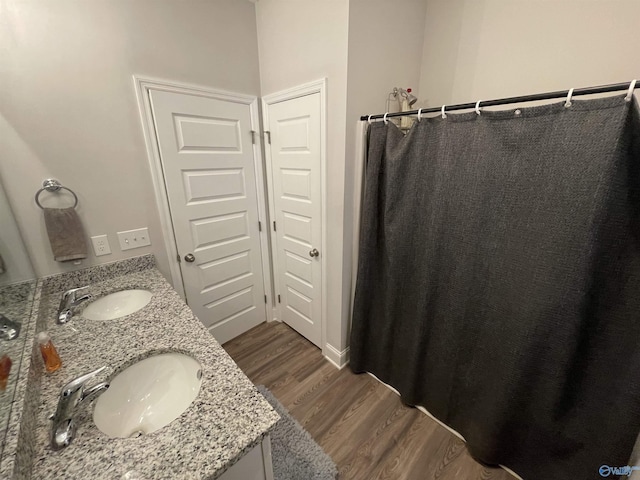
339,358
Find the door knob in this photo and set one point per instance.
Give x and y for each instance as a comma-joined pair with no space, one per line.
189,258
314,253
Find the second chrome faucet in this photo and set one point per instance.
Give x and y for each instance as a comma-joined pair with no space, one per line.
69,301
71,396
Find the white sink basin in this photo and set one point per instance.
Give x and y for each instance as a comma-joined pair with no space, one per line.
148,395
117,305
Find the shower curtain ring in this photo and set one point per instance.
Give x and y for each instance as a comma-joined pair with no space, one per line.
478,107
369,119
444,115
385,118
630,92
419,114
568,103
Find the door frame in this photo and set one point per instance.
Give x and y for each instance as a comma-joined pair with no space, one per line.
317,86
143,86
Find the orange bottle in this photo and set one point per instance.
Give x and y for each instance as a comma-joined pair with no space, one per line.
49,353
5,369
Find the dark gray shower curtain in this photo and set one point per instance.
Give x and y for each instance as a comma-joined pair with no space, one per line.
499,280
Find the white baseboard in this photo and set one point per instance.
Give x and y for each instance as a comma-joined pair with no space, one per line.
274,316
339,358
426,412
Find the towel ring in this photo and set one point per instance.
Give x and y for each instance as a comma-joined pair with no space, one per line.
419,114
568,103
478,107
444,115
369,119
385,118
51,185
630,92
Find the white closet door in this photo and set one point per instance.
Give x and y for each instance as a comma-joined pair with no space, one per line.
294,127
207,157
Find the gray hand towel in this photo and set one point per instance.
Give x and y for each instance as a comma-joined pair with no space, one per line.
66,234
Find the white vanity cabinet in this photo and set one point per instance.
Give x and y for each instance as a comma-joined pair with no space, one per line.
255,465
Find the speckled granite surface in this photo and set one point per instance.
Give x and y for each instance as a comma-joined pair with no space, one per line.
226,420
16,302
19,302
64,281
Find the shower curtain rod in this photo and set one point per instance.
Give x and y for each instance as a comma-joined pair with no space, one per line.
505,101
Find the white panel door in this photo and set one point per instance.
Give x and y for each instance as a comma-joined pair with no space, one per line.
208,163
294,127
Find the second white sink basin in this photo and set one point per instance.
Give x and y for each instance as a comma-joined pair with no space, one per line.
148,395
117,305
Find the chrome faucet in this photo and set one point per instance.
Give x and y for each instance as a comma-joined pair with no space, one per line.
9,330
72,395
69,301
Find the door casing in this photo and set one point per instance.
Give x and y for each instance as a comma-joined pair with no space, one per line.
318,86
142,87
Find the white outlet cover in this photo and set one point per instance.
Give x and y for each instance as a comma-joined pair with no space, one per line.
101,245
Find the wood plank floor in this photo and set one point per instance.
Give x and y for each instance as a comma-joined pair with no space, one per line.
359,422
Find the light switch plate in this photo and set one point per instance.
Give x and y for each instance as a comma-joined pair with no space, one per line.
134,238
101,245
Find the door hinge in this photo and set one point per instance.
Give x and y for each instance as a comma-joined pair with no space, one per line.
259,226
274,226
265,299
278,298
178,258
268,134
253,137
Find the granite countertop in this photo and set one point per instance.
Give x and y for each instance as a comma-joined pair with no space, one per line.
17,301
228,417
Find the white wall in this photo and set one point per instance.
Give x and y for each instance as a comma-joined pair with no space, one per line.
301,41
484,49
16,261
385,51
68,108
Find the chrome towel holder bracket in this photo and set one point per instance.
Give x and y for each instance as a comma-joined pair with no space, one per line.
52,185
